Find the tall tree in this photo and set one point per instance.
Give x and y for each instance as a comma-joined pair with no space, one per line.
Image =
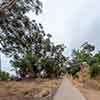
26,42
16,24
84,54
39,54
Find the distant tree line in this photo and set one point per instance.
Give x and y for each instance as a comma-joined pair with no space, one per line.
86,53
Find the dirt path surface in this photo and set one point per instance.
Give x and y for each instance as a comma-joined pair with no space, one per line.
90,94
90,88
68,92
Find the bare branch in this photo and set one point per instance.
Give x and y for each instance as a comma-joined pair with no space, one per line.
6,7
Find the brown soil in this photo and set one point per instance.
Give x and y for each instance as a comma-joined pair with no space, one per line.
90,94
39,89
90,89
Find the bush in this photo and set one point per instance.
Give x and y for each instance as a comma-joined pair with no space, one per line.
73,70
4,75
52,62
94,70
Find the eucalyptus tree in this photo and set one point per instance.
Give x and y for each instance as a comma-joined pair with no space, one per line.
26,42
81,55
16,26
41,54
84,53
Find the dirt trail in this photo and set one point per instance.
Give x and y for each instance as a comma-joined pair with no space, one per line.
68,92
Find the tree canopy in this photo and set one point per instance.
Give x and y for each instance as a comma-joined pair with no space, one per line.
39,54
26,42
16,24
85,54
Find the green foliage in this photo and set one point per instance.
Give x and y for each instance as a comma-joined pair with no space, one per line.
81,55
73,70
94,70
38,54
25,65
88,48
94,64
85,54
4,75
26,42
18,27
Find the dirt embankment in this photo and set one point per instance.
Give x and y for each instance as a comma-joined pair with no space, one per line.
90,89
29,90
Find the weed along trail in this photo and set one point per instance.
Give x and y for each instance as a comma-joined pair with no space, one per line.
68,92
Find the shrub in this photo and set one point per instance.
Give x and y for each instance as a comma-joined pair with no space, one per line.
94,70
4,75
73,70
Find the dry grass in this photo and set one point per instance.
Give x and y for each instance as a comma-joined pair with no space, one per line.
90,88
30,87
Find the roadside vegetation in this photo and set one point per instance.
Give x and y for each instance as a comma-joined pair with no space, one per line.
85,70
4,75
87,57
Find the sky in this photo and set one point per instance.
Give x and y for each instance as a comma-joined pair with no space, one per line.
71,22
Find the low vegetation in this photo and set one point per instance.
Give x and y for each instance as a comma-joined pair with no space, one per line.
4,75
29,89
